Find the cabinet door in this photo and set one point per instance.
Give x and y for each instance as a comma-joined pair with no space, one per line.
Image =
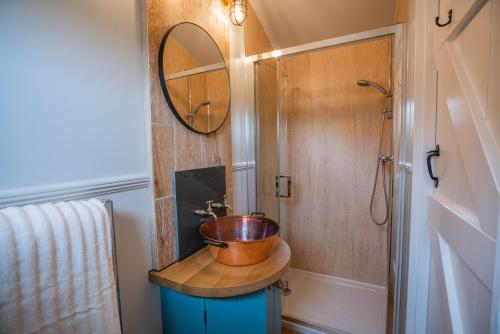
181,313
255,313
221,315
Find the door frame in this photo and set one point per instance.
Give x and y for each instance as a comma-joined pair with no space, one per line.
314,46
420,100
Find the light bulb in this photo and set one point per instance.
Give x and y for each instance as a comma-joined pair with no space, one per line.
238,15
238,12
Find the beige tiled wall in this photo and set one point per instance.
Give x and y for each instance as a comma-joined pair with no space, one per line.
174,146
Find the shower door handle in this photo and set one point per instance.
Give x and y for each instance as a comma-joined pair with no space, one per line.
289,185
430,155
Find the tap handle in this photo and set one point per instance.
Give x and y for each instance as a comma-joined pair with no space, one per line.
209,205
226,204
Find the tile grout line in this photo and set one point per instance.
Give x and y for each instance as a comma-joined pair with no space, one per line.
164,197
161,124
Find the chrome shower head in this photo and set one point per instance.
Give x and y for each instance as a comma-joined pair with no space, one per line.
366,83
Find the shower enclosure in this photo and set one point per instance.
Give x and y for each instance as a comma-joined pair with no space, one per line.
317,147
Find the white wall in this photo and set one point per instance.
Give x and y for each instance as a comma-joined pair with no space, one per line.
71,91
242,124
72,113
140,299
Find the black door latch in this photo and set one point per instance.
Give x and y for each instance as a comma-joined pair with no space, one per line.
430,155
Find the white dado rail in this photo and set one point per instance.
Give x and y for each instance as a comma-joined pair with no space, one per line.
243,189
72,190
243,165
84,189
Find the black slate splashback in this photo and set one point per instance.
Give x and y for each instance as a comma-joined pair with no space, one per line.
192,189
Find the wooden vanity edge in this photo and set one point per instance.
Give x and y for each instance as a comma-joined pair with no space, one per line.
221,292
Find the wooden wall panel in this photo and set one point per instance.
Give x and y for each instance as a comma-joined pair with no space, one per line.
256,39
174,146
401,11
333,128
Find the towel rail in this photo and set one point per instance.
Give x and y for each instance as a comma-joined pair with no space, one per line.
108,204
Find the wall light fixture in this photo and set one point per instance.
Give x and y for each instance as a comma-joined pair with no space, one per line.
237,11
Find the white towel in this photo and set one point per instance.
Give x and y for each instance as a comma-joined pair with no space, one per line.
56,269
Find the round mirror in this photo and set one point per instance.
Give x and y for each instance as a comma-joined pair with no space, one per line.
194,78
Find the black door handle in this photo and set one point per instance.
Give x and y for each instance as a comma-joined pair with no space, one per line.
430,155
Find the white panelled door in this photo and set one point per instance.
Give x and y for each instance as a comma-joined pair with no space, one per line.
464,209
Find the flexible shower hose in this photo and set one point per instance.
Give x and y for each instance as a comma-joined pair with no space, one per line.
381,161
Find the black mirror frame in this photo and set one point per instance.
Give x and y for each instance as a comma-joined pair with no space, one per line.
163,82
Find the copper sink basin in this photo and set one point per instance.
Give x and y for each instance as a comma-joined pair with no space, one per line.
240,240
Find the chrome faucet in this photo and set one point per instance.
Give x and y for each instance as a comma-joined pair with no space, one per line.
223,205
208,212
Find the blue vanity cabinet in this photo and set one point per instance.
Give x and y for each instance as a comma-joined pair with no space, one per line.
182,313
254,313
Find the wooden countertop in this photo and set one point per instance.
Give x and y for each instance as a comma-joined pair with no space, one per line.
200,275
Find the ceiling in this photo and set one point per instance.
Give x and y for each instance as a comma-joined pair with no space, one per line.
294,22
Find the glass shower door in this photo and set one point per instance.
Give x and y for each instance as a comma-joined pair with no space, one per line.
284,180
273,184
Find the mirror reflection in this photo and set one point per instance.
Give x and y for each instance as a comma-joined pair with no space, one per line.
194,78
